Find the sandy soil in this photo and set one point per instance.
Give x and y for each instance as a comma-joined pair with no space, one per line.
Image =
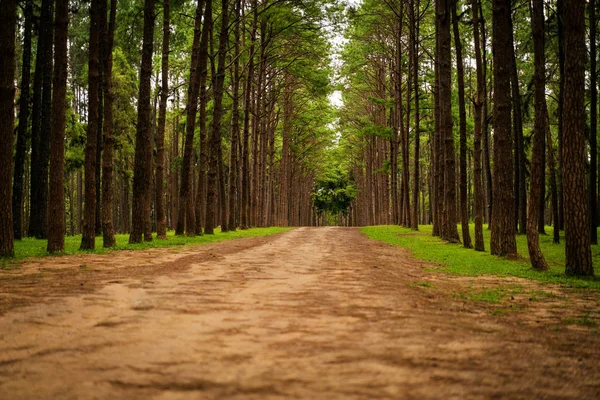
311,313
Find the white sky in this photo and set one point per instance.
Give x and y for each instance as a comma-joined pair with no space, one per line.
337,43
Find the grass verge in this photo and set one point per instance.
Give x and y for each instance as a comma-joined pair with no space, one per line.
455,259
30,247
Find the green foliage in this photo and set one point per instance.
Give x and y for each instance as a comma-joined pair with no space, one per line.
455,259
334,193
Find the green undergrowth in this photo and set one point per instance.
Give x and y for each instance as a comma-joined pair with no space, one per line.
29,247
455,259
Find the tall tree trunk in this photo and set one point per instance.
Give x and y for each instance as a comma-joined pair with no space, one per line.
41,126
142,170
203,170
449,231
577,248
8,21
415,67
89,217
22,134
108,155
187,219
487,165
560,5
478,103
161,213
245,212
503,219
553,186
56,195
464,205
235,122
539,132
593,191
215,160
520,190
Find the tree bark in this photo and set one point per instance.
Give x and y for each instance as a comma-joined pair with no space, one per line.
520,192
503,219
22,135
142,173
215,160
577,249
464,201
108,155
235,122
161,214
89,217
449,231
8,21
202,171
245,212
56,195
593,190
41,126
415,67
187,218
478,105
539,132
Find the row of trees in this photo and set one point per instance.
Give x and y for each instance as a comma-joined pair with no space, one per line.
508,136
233,126
228,129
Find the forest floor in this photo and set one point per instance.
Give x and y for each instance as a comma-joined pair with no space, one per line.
309,313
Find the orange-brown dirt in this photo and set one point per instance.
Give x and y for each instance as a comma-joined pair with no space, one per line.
313,313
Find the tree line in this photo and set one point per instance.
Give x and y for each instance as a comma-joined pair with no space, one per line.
473,110
140,116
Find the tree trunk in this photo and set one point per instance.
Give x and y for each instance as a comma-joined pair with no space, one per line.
215,160
203,170
161,213
487,167
449,231
142,172
41,126
464,205
245,212
537,167
235,122
593,191
187,219
561,101
8,21
415,67
22,135
577,248
503,219
478,103
89,217
553,186
56,197
520,192
108,155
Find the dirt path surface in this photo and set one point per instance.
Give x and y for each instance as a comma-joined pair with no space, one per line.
311,313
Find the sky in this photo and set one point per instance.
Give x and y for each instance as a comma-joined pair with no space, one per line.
337,42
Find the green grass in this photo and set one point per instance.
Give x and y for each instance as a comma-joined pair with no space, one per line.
460,261
30,247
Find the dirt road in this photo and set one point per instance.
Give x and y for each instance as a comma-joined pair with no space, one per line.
311,313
